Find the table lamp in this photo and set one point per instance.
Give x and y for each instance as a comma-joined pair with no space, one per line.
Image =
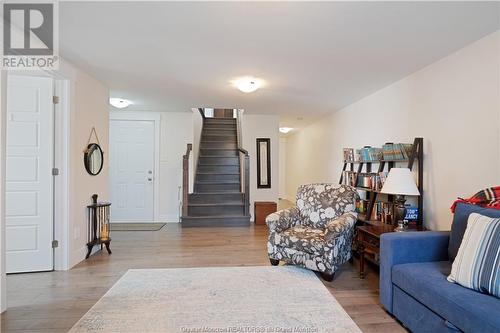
400,182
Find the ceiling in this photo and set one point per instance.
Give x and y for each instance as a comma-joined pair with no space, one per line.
315,57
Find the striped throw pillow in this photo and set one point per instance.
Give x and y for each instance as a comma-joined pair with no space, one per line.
477,264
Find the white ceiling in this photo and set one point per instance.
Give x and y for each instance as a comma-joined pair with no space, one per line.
315,57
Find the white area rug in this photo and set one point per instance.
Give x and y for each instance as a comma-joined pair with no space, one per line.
232,299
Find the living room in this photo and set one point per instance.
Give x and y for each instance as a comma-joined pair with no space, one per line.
307,167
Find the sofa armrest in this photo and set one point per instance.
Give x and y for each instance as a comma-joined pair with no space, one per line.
408,247
283,219
340,225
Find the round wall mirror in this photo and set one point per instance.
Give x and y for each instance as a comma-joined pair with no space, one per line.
93,159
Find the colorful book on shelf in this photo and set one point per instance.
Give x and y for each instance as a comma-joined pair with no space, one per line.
396,151
348,154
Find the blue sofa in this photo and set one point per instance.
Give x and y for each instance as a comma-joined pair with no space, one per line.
413,286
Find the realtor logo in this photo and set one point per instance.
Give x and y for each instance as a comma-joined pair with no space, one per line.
30,35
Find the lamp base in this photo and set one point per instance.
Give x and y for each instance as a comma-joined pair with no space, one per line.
399,210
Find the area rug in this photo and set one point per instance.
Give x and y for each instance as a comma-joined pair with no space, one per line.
136,226
230,299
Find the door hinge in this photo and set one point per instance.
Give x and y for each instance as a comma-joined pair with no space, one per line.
55,99
55,172
55,244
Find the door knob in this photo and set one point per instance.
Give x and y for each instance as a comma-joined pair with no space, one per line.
150,179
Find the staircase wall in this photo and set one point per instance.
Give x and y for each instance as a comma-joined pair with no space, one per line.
261,126
176,131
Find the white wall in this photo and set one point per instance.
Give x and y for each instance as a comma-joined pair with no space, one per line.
3,113
88,108
176,132
261,126
282,169
453,104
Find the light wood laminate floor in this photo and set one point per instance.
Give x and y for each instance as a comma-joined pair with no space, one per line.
54,301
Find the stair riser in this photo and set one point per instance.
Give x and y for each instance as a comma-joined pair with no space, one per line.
215,222
233,160
225,138
219,144
215,210
215,198
218,152
217,177
203,188
211,121
228,128
220,133
219,168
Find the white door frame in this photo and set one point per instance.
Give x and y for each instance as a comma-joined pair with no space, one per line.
61,225
61,153
156,118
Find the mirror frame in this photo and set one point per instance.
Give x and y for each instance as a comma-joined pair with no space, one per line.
86,158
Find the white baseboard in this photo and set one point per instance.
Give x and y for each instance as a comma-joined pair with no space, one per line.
170,218
80,254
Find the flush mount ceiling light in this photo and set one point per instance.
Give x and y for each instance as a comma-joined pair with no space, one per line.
247,84
285,130
119,103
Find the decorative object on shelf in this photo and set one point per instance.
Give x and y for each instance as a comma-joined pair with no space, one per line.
98,231
263,163
93,156
400,183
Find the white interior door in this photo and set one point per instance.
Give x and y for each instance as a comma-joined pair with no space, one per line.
131,173
29,199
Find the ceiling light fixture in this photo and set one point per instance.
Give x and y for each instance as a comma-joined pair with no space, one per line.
119,103
247,84
285,130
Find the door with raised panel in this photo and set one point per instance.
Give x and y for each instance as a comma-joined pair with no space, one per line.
131,170
28,197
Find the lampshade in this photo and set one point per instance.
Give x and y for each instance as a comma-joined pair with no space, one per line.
400,181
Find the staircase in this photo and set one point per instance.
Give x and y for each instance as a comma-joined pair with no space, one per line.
218,197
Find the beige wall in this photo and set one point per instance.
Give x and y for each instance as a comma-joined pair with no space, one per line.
88,108
453,104
261,126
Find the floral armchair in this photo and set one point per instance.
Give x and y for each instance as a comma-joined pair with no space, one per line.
317,233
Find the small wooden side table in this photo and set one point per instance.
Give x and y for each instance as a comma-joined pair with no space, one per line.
262,209
369,243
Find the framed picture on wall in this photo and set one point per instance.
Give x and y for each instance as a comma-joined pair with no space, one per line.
263,163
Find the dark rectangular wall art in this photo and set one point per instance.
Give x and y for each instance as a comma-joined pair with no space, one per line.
263,163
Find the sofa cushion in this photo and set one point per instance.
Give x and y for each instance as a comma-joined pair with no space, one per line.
462,212
306,239
477,265
467,309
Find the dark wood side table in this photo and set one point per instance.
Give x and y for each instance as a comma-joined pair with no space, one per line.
262,209
368,240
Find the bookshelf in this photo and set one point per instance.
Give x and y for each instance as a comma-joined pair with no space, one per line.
413,159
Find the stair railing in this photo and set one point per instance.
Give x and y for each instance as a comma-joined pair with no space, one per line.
185,179
244,165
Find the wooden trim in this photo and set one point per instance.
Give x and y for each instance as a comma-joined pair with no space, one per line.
268,159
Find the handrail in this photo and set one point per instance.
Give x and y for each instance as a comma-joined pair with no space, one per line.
202,112
185,179
244,166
